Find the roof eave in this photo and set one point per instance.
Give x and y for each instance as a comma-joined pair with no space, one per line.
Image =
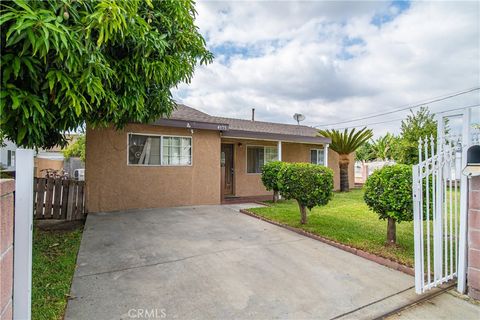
275,137
191,124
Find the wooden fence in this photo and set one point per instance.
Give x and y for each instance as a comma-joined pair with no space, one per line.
59,199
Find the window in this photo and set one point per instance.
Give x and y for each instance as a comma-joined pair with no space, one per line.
143,149
159,150
177,151
258,156
10,158
317,156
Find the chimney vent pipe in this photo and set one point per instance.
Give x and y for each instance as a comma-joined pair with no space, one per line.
253,114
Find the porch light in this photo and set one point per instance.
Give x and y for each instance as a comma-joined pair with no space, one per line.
472,169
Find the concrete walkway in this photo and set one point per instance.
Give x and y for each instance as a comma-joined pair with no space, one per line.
446,306
212,262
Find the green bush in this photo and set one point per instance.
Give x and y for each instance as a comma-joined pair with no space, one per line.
388,192
311,185
270,175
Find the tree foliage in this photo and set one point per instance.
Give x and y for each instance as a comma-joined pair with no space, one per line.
270,176
386,147
345,143
309,184
76,149
365,152
421,124
388,192
104,62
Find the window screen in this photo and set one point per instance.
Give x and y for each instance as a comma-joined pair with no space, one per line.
177,151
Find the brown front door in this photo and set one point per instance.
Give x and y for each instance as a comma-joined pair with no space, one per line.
227,169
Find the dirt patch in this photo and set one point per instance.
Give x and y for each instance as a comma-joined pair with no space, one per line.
59,225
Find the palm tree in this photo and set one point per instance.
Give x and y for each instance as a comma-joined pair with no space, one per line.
345,143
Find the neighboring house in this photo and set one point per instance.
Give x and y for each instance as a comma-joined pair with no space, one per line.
44,159
48,159
363,170
193,158
7,156
53,159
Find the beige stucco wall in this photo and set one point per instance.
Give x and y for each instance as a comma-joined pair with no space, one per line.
113,185
250,184
42,164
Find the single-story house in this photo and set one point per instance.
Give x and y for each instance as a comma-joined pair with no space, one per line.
192,158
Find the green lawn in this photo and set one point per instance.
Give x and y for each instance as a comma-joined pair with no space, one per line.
347,219
54,258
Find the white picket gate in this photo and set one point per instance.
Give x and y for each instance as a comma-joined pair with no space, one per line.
440,207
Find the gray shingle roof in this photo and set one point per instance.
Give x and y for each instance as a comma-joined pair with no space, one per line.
190,114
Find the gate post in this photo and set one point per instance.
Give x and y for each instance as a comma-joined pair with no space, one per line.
462,234
417,225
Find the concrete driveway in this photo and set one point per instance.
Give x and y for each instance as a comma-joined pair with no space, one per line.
210,262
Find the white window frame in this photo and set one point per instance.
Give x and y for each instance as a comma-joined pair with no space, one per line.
264,153
161,150
323,156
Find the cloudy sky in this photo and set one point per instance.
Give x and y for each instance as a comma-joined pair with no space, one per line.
335,60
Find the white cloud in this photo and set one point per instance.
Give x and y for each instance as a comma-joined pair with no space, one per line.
328,61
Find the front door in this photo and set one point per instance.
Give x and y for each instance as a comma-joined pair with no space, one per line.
227,168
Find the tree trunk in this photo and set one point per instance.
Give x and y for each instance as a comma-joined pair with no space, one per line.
303,213
275,196
391,231
344,186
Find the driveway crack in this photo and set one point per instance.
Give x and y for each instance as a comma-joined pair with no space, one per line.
188,257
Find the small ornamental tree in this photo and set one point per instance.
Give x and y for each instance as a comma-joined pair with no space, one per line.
311,185
388,192
270,175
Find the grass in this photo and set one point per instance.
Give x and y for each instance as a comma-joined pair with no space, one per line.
54,259
348,220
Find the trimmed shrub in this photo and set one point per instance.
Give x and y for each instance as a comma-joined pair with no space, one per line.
309,184
270,175
388,192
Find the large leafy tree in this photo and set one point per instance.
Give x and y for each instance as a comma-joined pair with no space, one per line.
345,143
421,124
67,62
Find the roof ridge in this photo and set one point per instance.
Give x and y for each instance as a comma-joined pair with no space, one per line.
268,122
185,106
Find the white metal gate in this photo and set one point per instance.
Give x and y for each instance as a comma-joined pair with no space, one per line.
440,207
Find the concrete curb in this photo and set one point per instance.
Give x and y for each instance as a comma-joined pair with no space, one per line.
369,256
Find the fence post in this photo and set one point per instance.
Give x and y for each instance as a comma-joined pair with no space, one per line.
22,281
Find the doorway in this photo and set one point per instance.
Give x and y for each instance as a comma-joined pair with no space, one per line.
227,169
